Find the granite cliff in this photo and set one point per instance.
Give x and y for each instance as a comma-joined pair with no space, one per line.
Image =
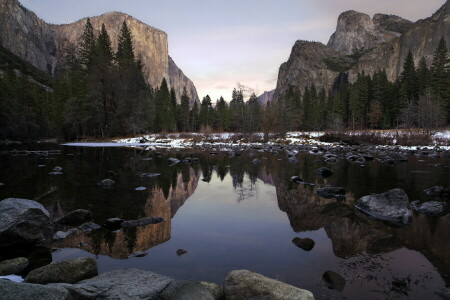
43,44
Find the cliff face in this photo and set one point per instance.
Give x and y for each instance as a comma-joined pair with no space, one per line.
310,63
356,31
41,44
266,97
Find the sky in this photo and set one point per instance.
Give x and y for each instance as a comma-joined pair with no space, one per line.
220,43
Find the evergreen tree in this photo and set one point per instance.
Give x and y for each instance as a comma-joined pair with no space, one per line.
440,75
184,111
87,44
125,52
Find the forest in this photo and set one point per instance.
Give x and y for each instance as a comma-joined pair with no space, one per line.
100,92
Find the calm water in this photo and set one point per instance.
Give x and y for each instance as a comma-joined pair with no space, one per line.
232,214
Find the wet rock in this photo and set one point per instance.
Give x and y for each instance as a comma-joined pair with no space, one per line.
13,266
114,223
331,192
437,191
391,206
186,290
138,254
76,217
106,183
334,280
444,293
60,235
256,161
243,284
119,284
88,227
324,172
431,208
23,222
140,188
306,244
296,179
173,161
67,271
181,252
57,169
215,289
142,222
149,175
27,291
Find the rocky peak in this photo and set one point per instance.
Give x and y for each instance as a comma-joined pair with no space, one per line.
392,23
265,97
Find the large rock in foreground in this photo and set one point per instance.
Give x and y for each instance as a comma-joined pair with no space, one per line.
243,284
13,266
67,271
392,206
186,290
22,222
119,284
27,291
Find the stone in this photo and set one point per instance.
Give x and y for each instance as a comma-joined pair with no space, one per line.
138,254
173,161
431,208
106,183
391,206
140,188
334,280
149,175
181,252
66,271
437,191
128,284
243,284
296,179
215,289
306,244
88,227
76,217
186,290
114,223
13,266
256,161
23,222
324,172
142,222
60,235
27,291
331,192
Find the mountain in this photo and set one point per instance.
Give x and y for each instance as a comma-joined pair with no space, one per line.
361,44
265,97
43,44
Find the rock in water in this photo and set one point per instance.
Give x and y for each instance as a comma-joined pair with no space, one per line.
391,206
142,222
243,284
431,208
106,183
181,252
88,227
26,291
324,172
22,222
334,280
76,217
296,179
306,244
13,266
120,284
331,192
114,223
66,271
60,235
186,290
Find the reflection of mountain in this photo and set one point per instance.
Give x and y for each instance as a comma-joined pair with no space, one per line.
121,243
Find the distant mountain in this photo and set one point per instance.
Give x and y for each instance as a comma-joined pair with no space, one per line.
43,44
361,44
265,97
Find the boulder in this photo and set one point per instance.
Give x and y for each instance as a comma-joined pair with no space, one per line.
431,208
215,289
66,271
391,206
27,291
23,222
114,223
60,235
306,244
186,290
331,192
173,161
334,280
324,172
13,266
142,222
76,217
125,284
181,252
88,227
243,284
437,191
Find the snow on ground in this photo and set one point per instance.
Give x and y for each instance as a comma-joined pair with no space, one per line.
13,278
226,141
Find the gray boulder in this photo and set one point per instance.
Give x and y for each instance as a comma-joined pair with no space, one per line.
60,235
23,222
67,271
76,217
437,191
186,290
13,266
243,284
119,284
391,206
215,289
431,208
27,291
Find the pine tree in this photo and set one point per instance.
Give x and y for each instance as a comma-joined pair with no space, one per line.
87,44
440,75
125,52
184,110
408,78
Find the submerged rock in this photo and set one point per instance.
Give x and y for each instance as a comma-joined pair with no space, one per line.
88,227
106,183
138,254
334,280
13,266
243,284
437,191
306,244
67,271
431,208
76,217
181,252
331,192
324,172
142,222
391,206
13,290
22,222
